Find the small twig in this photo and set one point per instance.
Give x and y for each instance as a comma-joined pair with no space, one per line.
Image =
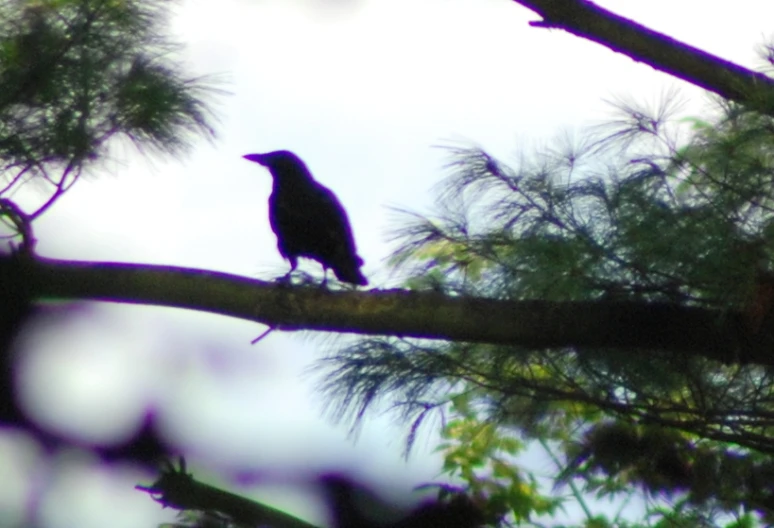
264,334
48,178
61,188
15,179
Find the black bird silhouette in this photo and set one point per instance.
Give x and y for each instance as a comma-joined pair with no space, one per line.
308,219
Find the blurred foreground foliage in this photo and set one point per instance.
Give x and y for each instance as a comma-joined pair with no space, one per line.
78,78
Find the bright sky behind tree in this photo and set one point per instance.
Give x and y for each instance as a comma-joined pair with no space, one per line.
362,90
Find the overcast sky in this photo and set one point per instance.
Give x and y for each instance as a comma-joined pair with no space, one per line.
362,90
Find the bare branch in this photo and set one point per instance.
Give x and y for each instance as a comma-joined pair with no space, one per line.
589,21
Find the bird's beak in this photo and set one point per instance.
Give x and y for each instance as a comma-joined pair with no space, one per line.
257,158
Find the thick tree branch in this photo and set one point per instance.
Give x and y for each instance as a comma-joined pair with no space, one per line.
587,20
536,324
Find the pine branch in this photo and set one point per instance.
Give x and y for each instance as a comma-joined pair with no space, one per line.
632,327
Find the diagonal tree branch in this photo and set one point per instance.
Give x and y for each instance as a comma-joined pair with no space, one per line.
629,326
589,21
176,488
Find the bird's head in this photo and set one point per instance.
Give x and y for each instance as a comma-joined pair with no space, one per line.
277,159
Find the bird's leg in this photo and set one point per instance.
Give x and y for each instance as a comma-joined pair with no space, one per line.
286,279
324,283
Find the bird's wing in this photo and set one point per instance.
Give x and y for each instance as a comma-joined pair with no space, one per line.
337,227
311,222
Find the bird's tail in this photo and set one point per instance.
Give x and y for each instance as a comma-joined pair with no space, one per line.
351,272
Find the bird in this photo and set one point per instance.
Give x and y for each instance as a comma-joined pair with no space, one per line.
308,219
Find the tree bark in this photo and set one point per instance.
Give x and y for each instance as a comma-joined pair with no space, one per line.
632,327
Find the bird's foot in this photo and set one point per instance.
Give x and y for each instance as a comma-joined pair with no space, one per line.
285,280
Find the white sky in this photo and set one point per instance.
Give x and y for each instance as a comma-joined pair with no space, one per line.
361,90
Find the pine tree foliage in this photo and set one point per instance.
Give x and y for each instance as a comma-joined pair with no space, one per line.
77,73
649,208
77,78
